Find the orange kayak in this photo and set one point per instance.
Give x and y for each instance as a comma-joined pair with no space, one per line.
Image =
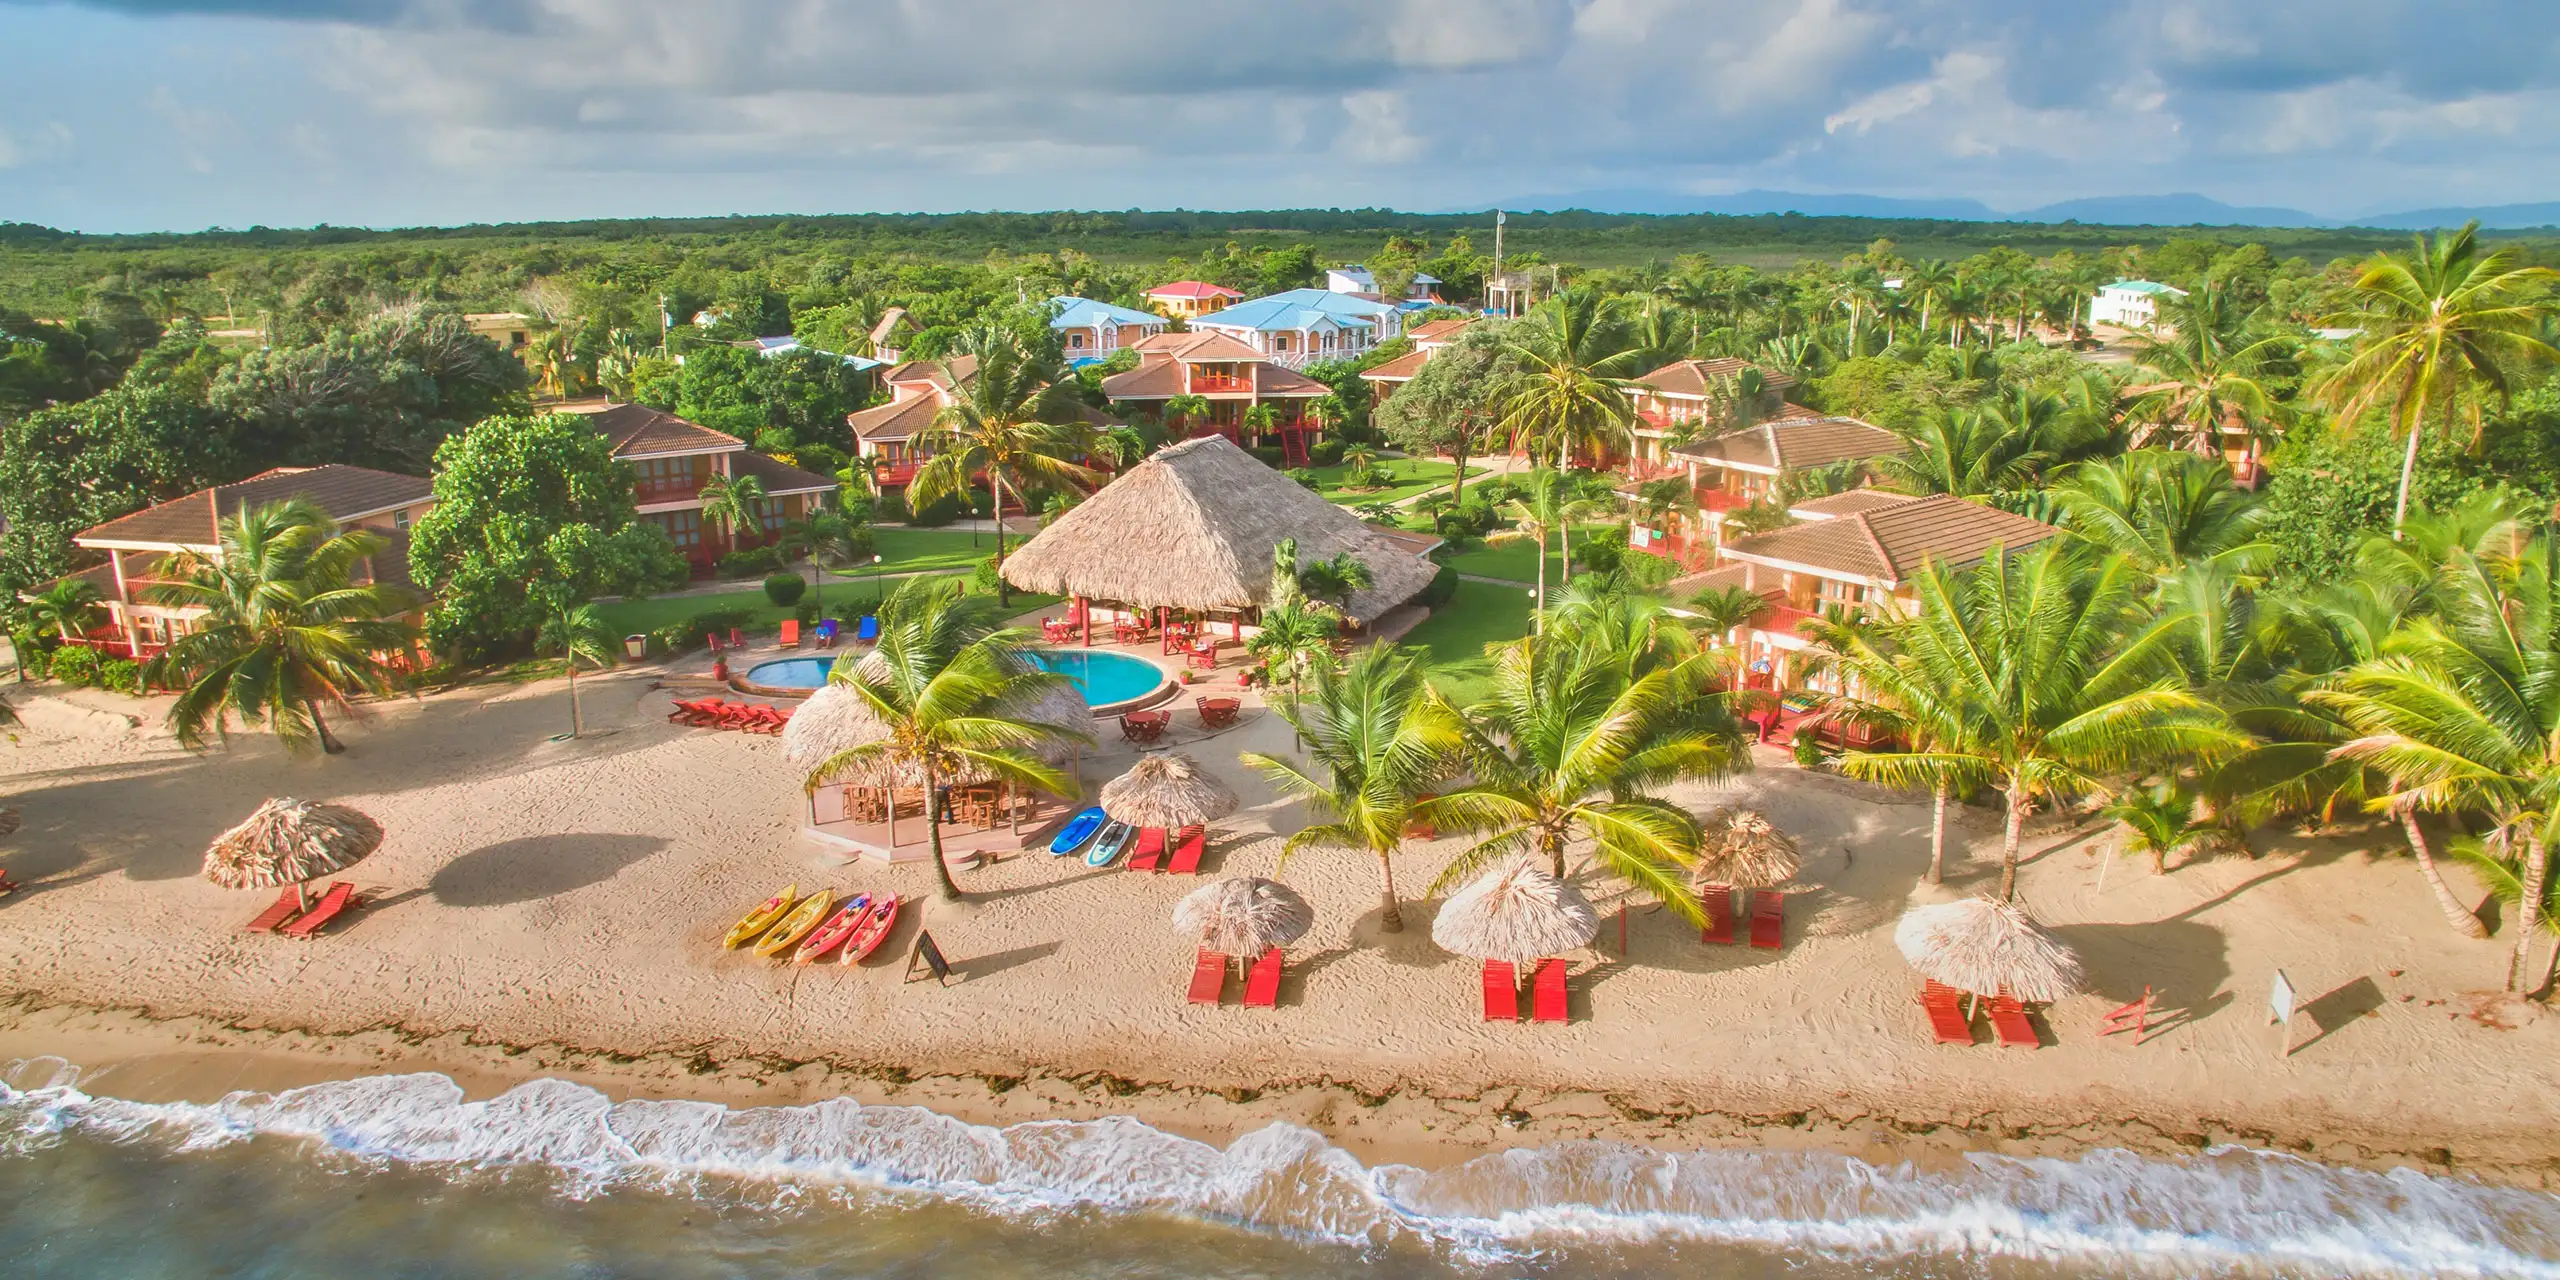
827,937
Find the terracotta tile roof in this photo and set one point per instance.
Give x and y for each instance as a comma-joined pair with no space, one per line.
1787,443
883,333
1400,369
896,420
1420,544
342,491
1790,411
1695,378
1191,289
1853,502
1153,379
1272,380
779,476
1199,347
637,430
931,371
1439,330
1890,544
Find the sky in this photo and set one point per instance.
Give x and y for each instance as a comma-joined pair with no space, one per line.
138,115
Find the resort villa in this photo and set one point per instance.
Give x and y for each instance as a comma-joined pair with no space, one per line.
1427,337
1091,331
1691,397
1305,325
675,459
1234,378
1740,468
2130,304
890,334
136,545
1190,299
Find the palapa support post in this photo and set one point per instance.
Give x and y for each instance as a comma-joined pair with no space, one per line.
1084,615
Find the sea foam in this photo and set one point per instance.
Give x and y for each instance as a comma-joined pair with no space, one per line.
2226,1208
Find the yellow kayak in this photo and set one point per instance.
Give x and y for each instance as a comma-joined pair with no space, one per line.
762,918
797,925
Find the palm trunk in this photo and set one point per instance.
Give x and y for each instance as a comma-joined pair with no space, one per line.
2009,839
1938,833
1538,608
933,832
1555,852
2459,916
2408,470
329,743
2537,857
1564,549
996,482
1391,918
577,722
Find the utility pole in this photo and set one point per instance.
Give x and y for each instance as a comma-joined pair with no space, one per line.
1497,262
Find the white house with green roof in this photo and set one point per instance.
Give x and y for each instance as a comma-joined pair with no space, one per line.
2130,304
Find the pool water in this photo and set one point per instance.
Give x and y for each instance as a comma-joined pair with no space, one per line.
1103,678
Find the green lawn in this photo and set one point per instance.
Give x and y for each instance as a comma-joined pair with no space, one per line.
846,600
1453,638
1411,476
1518,561
919,550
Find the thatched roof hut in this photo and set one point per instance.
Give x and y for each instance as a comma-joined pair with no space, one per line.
1742,848
1243,916
1521,914
289,841
1166,789
835,719
1193,528
1983,946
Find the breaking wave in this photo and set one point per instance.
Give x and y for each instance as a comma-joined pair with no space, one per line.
2227,1208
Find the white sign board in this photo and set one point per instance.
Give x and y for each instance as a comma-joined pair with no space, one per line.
2280,998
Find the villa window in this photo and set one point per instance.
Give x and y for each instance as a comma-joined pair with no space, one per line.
400,518
769,514
1075,342
684,528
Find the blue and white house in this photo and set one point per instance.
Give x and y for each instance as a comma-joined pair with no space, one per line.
1092,330
786,344
1295,328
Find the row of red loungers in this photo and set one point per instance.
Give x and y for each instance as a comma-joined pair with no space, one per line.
1261,983
1185,861
1947,1020
714,713
1768,916
340,899
1502,991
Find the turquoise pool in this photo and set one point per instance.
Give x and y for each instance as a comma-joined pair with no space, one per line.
1104,678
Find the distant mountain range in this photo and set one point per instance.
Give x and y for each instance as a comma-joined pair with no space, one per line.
2180,209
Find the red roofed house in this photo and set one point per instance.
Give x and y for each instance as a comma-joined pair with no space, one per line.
1427,338
1740,468
676,458
894,433
1188,298
1691,397
1234,378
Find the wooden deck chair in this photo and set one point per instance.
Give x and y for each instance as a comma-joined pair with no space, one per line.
1150,849
1547,992
269,920
1945,1007
1262,985
1718,900
1186,854
1768,919
1208,977
1501,991
2009,1019
2135,1017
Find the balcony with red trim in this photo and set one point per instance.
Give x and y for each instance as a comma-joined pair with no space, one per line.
680,489
1219,383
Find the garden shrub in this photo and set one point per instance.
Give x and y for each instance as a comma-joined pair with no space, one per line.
1808,748
747,562
806,611
785,588
1325,452
1647,572
32,654
76,665
1272,455
1443,588
688,634
123,675
937,513
1304,477
984,580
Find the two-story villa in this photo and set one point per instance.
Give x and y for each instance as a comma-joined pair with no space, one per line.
1091,331
1429,336
676,459
1737,469
1232,377
1191,299
1300,326
1691,398
894,433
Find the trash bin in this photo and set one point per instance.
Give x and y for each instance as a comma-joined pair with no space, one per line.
635,647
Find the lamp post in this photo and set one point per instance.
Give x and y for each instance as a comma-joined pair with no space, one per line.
1537,620
875,582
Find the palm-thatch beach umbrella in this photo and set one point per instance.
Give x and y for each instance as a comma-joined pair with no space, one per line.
1168,790
1521,915
1243,916
1982,945
835,719
289,841
1742,848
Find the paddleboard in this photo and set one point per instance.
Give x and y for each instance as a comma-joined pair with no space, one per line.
1079,829
1107,845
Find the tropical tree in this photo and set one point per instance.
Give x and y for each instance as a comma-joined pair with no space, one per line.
1548,504
2209,372
949,683
1890,693
2161,509
996,426
2160,820
578,635
2447,319
831,542
68,608
1965,452
1335,579
1572,369
734,505
284,628
1378,742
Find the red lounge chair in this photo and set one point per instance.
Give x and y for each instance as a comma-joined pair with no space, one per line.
2009,1019
1150,848
7,885
791,633
1262,986
1205,654
1501,992
1208,977
1945,1006
1718,900
1546,992
2135,1017
703,711
714,638
1768,919
341,896
285,905
1186,855
737,638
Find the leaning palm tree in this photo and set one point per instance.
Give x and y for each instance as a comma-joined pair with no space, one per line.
1570,391
948,686
577,635
284,629
996,427
2039,658
734,505
1380,742
2208,372
1567,748
2447,319
1890,693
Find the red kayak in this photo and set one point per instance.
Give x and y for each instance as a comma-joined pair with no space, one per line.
827,937
877,919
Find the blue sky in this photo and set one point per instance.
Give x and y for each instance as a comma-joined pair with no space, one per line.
146,115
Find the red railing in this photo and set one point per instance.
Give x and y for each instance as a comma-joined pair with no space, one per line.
1640,470
896,474
666,490
1720,500
1204,383
1783,619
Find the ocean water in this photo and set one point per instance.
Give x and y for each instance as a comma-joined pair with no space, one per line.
401,1176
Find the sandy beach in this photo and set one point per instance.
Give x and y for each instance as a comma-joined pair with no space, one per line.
553,908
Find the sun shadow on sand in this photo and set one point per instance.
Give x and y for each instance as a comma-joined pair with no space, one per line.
987,966
2335,1010
2184,963
533,867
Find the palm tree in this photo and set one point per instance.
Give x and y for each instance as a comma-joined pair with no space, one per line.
2446,319
1336,579
1965,452
1295,638
1547,505
2461,710
1571,388
1381,741
2035,657
577,635
2161,509
2160,820
1891,693
831,542
949,683
1965,303
68,608
1184,410
284,629
734,505
1568,748
2211,374
1928,280
995,427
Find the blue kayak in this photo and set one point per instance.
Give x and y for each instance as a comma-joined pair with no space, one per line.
1107,845
1079,830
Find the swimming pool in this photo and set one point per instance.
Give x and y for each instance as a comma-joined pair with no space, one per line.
1105,679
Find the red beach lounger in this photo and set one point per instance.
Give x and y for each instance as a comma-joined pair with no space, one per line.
790,633
1945,1006
341,896
1262,986
1501,992
7,885
1718,900
1186,855
1208,977
1150,848
2009,1019
1768,919
285,905
737,638
1546,996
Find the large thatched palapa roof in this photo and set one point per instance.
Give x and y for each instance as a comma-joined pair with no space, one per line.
1166,790
1984,946
1243,916
835,719
1193,528
289,841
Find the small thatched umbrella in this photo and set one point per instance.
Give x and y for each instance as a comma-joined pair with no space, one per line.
1982,945
1742,848
289,841
1521,915
1166,790
1243,915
